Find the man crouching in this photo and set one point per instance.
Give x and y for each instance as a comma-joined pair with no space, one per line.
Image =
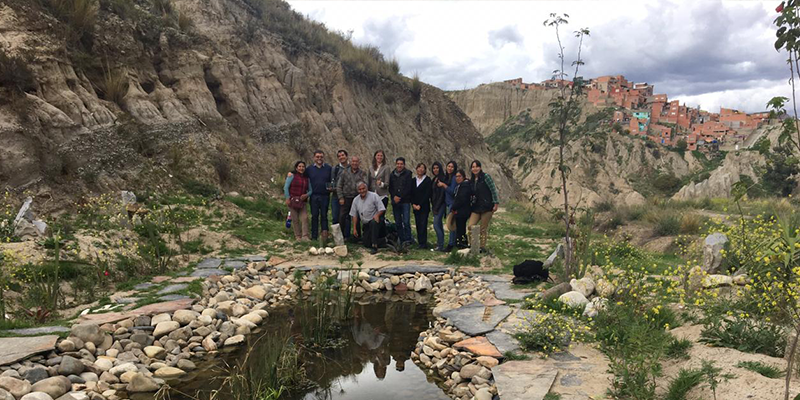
368,207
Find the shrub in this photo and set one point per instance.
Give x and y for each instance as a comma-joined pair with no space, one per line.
678,348
223,167
744,334
603,206
15,73
198,188
416,87
690,224
184,23
667,225
163,6
80,15
759,367
549,332
686,380
667,184
114,85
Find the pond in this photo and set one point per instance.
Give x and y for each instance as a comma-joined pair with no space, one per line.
357,351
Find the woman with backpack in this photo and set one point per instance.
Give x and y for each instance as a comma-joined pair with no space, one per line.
485,201
297,190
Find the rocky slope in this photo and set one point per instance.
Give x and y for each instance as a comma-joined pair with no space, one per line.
722,179
219,99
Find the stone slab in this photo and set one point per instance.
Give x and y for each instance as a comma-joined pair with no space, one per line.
185,279
173,288
144,286
157,308
173,297
504,342
205,273
235,264
475,319
502,288
13,349
255,258
160,278
126,300
523,380
318,267
209,263
480,346
38,331
413,269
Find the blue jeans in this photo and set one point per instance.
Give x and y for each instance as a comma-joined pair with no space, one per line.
402,219
438,227
334,210
319,213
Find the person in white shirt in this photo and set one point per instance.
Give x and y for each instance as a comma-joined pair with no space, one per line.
369,208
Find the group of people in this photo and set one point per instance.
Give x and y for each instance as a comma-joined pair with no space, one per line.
359,197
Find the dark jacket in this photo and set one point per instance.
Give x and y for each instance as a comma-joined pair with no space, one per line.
437,196
336,172
483,194
421,195
401,185
461,203
320,177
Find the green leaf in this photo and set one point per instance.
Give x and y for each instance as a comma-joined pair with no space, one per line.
779,43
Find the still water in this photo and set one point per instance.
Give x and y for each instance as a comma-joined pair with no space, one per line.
371,360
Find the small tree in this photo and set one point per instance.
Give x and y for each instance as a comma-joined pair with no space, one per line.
565,110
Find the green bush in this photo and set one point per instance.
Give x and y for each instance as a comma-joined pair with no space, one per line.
198,188
686,380
667,184
759,367
745,334
668,225
79,15
678,348
548,333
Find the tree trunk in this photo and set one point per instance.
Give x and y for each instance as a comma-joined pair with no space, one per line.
791,362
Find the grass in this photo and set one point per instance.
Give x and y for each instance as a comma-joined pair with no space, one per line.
678,348
454,258
686,380
761,368
552,396
513,356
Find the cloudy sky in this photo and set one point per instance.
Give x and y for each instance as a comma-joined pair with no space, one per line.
703,52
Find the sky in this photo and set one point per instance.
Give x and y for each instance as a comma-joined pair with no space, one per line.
703,52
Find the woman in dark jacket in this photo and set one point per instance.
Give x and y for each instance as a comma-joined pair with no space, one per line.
486,201
421,203
461,207
438,204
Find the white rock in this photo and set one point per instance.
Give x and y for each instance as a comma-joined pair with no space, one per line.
165,327
717,280
157,319
573,299
340,251
594,307
313,251
123,368
329,251
234,340
584,285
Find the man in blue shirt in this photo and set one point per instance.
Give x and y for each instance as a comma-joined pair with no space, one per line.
320,176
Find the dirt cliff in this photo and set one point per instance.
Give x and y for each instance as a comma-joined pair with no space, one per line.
228,92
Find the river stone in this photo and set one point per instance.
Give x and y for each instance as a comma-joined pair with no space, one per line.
155,351
16,387
37,396
103,364
488,362
122,368
234,340
470,370
55,386
340,251
5,395
584,286
74,396
165,327
70,366
209,344
66,346
127,376
35,374
257,292
205,273
573,299
423,283
472,319
186,365
159,318
142,384
12,373
479,346
89,333
185,317
483,394
168,372
89,377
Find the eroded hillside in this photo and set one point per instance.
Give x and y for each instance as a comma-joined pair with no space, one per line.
229,92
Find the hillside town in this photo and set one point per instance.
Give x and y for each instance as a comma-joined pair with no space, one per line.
639,111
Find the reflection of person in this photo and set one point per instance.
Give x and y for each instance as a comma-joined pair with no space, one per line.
380,362
366,335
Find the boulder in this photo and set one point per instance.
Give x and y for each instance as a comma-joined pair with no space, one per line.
605,288
88,333
70,366
185,317
165,327
103,364
55,386
17,387
257,292
37,396
584,286
155,352
712,251
470,370
140,383
423,283
573,299
340,251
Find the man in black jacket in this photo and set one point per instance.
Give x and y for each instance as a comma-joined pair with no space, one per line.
401,186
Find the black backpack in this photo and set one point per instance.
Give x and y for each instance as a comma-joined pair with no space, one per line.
530,271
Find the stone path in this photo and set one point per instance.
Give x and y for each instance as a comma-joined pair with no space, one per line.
13,349
501,284
475,319
518,380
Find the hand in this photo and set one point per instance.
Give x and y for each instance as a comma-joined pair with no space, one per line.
288,202
396,199
376,218
289,174
380,183
441,184
303,196
415,207
341,202
355,232
494,209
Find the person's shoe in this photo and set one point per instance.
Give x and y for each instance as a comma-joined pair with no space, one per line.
449,248
373,250
423,246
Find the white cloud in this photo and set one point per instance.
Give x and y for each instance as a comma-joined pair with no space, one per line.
712,52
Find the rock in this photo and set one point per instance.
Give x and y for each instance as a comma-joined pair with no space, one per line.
584,286
596,305
168,372
487,361
17,387
329,251
89,377
74,396
66,346
127,376
712,281
483,394
165,327
556,291
470,370
185,317
12,373
476,319
573,299
186,365
209,344
55,386
70,366
257,292
234,340
103,364
338,237
157,319
423,283
155,352
605,288
395,280
741,280
340,251
479,345
5,395
313,251
37,396
253,318
35,373
712,251
89,333
123,368
142,384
